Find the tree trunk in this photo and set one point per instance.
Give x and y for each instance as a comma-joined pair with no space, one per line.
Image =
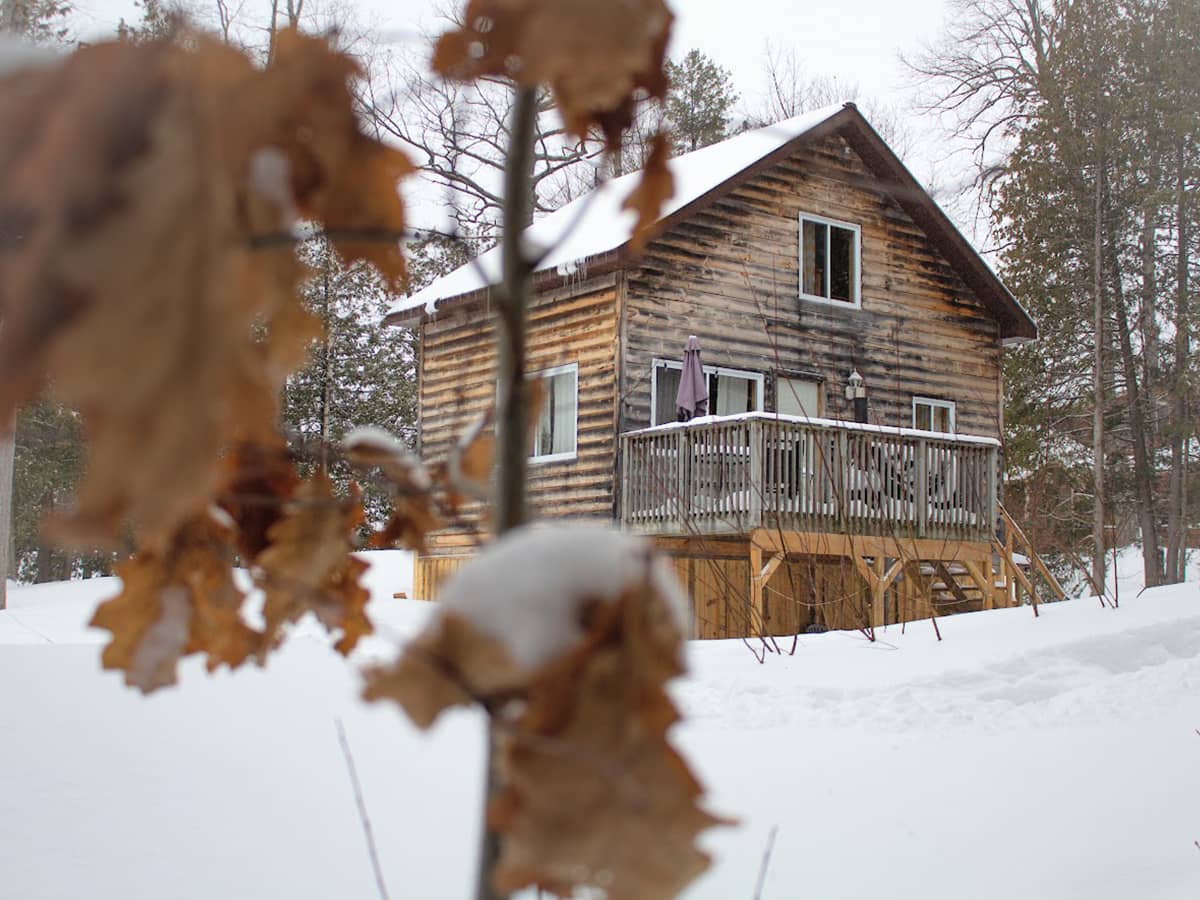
45,552
512,406
326,348
1143,475
1181,429
8,446
1098,385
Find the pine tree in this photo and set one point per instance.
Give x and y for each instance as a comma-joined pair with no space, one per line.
48,465
700,103
361,372
42,22
1085,214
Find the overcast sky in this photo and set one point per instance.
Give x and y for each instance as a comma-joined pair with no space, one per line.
856,41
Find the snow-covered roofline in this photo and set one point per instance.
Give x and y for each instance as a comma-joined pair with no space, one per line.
595,228
595,224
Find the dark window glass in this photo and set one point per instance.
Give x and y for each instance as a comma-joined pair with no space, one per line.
841,264
666,386
815,236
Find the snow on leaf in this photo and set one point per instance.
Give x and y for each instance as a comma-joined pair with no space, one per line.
413,514
174,602
307,566
568,636
597,57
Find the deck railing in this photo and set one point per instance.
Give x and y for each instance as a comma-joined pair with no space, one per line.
737,473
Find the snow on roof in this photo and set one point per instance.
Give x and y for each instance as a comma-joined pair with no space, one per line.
595,223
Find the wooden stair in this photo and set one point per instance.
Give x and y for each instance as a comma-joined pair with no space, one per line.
952,588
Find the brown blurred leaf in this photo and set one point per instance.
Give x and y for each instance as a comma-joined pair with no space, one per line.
409,482
467,472
339,176
177,602
453,664
260,479
597,57
142,192
591,792
654,189
307,566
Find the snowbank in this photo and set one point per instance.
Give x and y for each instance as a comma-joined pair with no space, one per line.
1042,758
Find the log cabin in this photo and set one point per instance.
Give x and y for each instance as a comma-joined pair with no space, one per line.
848,472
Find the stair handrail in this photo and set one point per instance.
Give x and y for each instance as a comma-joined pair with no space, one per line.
1035,558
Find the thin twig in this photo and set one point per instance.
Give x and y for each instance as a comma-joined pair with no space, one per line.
766,861
362,809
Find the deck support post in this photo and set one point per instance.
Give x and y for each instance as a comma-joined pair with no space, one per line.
878,588
977,573
760,575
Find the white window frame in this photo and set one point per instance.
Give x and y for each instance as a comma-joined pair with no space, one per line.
756,377
572,368
938,404
856,283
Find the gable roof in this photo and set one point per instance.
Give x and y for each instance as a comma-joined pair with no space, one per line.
594,227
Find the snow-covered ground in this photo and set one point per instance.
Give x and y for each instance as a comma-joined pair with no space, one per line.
1050,758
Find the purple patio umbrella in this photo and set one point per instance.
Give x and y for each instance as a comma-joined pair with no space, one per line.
691,400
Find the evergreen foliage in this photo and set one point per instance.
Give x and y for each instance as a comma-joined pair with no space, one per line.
1097,208
362,372
700,103
47,467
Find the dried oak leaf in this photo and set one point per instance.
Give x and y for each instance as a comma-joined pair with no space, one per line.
654,189
337,174
452,665
307,566
591,792
411,487
137,270
260,478
175,602
597,57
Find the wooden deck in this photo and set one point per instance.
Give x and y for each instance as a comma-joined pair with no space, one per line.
742,474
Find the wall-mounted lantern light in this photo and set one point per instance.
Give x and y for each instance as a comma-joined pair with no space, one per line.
856,391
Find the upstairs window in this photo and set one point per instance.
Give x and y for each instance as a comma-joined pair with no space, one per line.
555,436
933,415
829,260
730,391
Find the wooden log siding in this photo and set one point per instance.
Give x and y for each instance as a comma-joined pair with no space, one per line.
575,324
729,274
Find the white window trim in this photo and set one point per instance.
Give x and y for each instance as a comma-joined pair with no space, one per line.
941,404
756,377
573,368
856,301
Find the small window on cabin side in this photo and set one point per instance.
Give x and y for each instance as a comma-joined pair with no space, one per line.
555,437
829,260
730,391
933,415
